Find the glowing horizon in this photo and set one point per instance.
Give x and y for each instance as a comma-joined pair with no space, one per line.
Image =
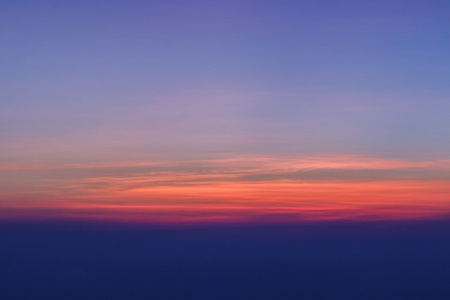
233,188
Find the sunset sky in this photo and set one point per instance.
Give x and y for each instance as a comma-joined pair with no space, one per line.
224,111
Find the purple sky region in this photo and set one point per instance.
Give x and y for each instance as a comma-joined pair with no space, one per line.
233,76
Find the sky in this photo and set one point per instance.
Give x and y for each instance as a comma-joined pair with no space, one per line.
224,111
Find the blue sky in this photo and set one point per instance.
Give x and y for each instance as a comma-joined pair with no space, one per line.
292,77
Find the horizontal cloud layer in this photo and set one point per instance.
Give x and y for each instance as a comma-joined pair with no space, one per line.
232,187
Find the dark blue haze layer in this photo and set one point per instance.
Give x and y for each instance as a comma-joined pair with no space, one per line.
376,260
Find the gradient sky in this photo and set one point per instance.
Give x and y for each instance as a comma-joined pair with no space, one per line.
224,110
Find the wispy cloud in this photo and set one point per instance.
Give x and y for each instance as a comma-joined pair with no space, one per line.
234,186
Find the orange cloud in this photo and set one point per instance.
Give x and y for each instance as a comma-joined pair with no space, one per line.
231,188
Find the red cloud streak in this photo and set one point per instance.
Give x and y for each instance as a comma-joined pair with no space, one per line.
230,189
